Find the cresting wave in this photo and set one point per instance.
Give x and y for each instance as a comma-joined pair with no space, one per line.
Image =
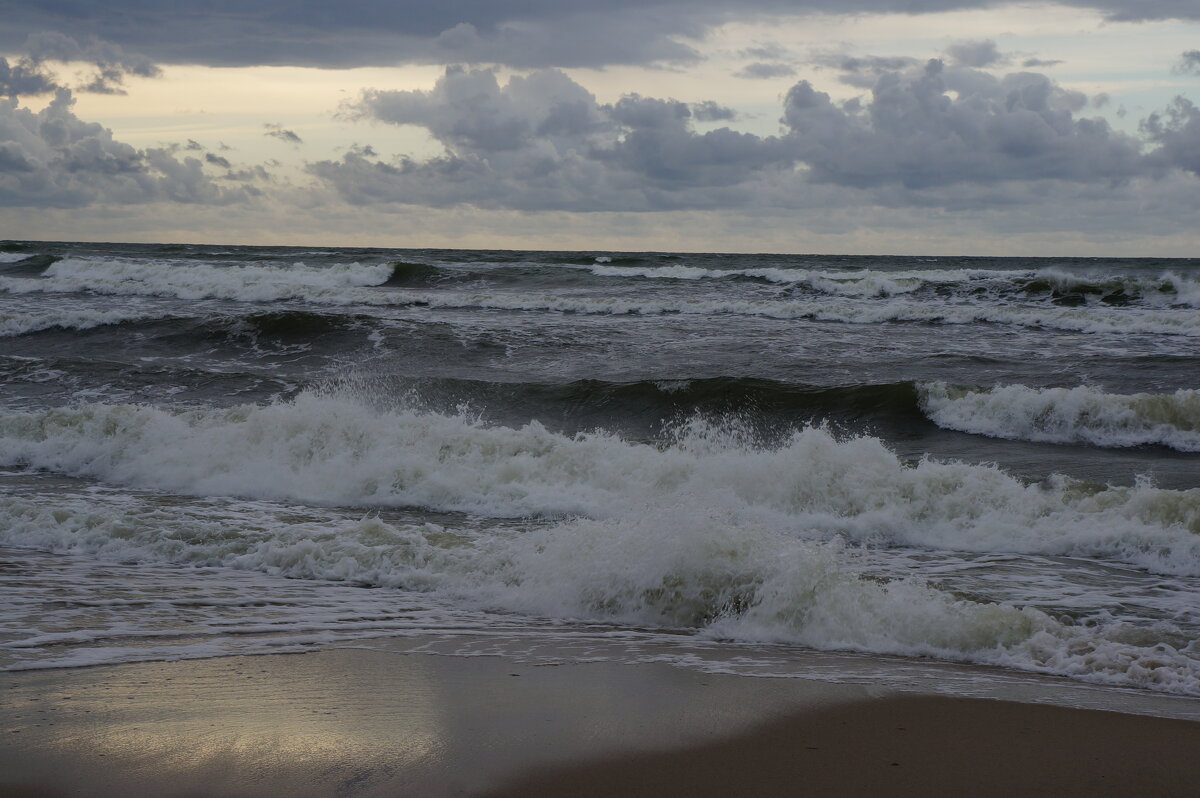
191,280
334,449
14,323
1068,415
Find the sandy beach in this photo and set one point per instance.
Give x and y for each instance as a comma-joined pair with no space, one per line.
361,723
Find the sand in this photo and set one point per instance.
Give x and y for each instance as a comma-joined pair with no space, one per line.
362,723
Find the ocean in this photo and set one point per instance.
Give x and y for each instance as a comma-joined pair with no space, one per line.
943,472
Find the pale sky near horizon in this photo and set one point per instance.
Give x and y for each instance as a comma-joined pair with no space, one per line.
965,127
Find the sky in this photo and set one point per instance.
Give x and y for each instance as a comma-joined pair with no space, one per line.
935,127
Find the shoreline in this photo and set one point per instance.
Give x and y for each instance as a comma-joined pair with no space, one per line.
353,722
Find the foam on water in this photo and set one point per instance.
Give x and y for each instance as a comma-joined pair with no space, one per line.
858,283
14,323
331,448
1168,288
675,568
1068,415
192,280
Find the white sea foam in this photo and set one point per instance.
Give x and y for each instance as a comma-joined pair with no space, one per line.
860,283
23,322
1163,321
1167,288
1068,415
333,449
191,280
677,566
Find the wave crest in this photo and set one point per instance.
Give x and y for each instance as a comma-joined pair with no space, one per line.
1068,415
335,449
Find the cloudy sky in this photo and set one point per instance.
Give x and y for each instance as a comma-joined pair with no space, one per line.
836,126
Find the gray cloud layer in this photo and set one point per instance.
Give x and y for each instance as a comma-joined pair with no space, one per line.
543,142
520,33
52,158
31,74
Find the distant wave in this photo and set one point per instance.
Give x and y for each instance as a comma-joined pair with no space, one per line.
244,282
1068,415
862,298
708,532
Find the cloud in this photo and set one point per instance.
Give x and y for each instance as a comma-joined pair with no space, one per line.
978,54
1189,63
1177,132
762,70
52,158
24,78
519,33
217,160
283,134
928,134
1032,63
543,142
709,111
940,125
111,62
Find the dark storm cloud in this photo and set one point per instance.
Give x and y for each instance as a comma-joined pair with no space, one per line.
24,78
520,33
217,160
110,61
52,158
543,142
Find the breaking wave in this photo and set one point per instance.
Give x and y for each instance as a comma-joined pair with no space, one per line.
330,449
678,567
243,282
1068,415
13,323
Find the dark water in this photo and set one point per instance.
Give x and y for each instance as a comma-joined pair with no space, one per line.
984,460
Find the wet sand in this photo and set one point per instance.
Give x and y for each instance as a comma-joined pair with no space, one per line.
360,723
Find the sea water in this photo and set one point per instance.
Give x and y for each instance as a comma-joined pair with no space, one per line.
854,468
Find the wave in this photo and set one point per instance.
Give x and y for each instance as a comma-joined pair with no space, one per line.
859,283
646,403
242,282
678,566
23,265
1065,287
1094,320
26,322
407,274
1068,415
1060,287
397,285
337,448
